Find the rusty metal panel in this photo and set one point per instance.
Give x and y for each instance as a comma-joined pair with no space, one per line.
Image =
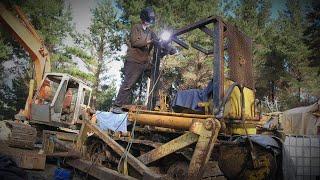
239,48
40,112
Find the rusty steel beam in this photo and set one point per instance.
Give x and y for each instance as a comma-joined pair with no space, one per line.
201,49
168,148
139,141
206,30
134,162
218,65
97,171
208,132
195,25
180,42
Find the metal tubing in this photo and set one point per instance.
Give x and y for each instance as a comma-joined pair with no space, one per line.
197,116
161,121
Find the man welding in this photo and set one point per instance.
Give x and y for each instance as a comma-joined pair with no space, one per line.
137,59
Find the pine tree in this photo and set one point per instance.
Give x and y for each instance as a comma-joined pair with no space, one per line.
312,40
102,44
291,30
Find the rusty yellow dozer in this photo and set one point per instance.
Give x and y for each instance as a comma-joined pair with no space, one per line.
163,144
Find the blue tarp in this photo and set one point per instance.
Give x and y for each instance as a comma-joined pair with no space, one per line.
112,121
189,99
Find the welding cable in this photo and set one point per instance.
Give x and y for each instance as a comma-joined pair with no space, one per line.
92,164
153,87
121,122
220,110
125,154
154,74
252,152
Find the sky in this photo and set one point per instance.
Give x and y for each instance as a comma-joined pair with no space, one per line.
81,18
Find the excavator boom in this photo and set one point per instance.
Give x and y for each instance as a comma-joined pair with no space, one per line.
27,36
18,24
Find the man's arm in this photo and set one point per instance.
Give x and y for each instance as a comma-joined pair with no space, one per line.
136,39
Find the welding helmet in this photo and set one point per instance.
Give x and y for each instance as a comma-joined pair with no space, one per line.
147,15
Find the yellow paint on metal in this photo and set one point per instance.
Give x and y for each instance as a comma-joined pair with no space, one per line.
233,105
26,111
238,129
27,36
174,122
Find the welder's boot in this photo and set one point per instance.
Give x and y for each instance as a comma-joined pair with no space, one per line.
117,110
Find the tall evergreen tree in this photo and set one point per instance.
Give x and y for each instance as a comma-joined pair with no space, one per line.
291,27
103,42
312,39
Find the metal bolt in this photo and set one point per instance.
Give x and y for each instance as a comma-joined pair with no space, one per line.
208,124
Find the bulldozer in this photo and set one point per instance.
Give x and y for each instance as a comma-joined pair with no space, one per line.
159,143
164,143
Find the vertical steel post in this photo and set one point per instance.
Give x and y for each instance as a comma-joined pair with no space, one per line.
154,78
218,64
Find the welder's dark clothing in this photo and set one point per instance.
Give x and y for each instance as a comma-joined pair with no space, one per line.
139,50
138,56
132,72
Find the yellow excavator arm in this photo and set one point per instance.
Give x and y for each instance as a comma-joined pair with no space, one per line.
17,23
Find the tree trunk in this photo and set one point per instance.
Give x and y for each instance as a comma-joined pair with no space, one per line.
99,68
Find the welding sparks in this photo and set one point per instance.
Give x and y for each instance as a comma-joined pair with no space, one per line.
165,36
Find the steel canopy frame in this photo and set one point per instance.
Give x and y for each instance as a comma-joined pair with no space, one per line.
218,35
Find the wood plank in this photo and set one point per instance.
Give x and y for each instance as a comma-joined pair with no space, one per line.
97,171
134,162
168,148
25,158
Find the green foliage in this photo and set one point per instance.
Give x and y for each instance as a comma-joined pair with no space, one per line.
12,99
62,62
51,18
282,70
104,28
81,54
105,97
5,49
